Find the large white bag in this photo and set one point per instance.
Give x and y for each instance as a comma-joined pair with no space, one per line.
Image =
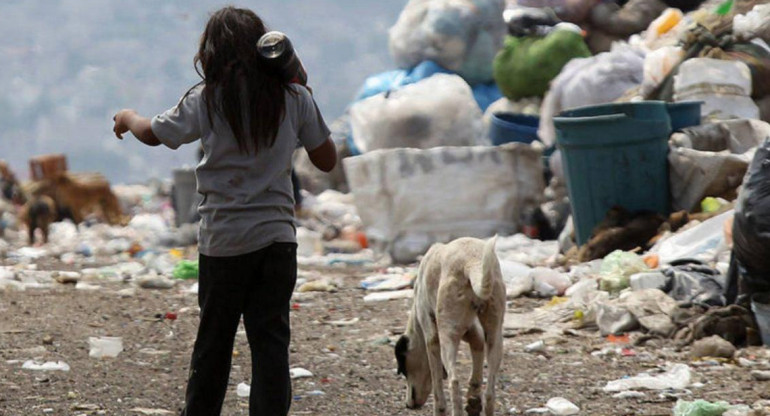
409,199
723,86
437,111
463,36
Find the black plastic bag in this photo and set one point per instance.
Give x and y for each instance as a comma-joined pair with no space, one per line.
750,264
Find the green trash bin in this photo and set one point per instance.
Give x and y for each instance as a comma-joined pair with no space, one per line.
614,154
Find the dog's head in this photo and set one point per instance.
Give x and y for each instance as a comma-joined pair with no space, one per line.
412,360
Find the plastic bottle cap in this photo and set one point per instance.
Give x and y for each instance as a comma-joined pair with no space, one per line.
272,44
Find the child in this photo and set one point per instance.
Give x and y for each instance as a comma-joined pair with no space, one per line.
249,122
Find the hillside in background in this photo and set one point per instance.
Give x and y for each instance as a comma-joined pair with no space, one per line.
69,65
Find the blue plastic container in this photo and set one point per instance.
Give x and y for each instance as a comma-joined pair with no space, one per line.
614,154
511,127
684,114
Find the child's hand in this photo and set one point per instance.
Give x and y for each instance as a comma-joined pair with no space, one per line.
122,122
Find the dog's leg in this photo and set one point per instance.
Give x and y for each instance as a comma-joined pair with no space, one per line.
475,338
494,358
436,372
450,341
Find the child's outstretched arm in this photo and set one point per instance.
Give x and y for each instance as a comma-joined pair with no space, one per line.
140,127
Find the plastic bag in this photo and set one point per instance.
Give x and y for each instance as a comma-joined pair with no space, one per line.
663,24
754,24
697,284
702,242
617,268
724,86
437,111
751,228
658,64
186,269
700,408
526,66
596,80
677,377
460,35
711,160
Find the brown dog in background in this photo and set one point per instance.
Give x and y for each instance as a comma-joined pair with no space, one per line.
38,212
80,196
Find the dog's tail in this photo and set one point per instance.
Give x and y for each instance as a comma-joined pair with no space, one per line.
483,278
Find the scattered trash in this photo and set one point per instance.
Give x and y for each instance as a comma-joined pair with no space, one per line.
151,412
66,277
677,377
86,286
538,346
617,269
186,269
318,286
343,322
155,282
648,280
549,282
298,372
629,395
702,242
243,390
562,407
700,408
385,282
382,296
46,366
102,347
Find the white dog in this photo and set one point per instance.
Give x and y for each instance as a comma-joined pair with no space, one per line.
459,295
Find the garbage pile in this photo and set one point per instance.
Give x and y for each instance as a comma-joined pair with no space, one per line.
620,146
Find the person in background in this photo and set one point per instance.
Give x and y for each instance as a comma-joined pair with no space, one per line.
249,121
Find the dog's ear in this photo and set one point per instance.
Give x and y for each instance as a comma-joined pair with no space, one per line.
443,369
401,347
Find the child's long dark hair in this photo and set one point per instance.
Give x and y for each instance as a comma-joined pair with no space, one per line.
238,86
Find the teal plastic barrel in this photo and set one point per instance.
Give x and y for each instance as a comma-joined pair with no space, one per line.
511,127
614,154
684,114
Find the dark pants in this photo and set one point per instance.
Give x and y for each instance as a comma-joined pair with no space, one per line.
258,286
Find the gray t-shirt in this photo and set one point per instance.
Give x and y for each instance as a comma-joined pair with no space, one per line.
248,202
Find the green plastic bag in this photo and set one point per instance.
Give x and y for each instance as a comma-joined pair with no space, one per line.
526,66
617,269
186,269
700,408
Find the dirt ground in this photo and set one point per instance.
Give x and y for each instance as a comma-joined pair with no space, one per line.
353,365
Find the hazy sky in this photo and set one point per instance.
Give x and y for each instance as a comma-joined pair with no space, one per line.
69,65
